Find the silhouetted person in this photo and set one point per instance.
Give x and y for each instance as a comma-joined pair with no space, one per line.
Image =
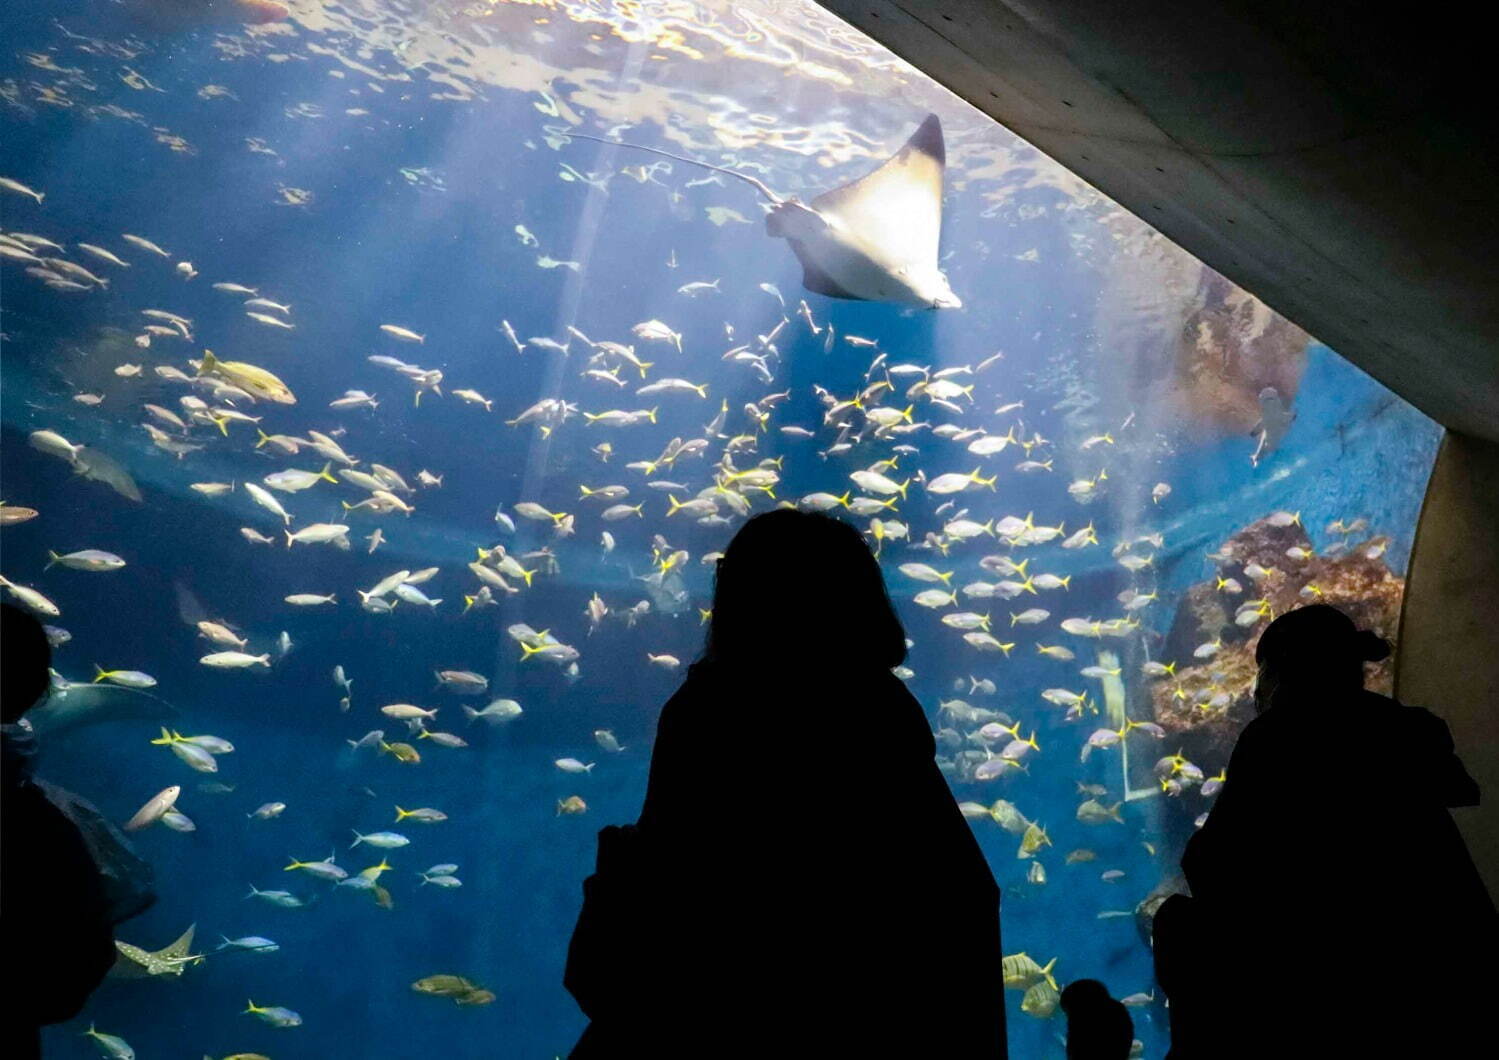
1335,910
801,881
55,931
1098,1026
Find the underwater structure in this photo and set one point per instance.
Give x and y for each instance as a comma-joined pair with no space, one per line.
374,408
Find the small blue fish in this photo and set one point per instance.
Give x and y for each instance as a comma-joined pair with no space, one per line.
250,943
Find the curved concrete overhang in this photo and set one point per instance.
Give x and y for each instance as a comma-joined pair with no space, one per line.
1336,160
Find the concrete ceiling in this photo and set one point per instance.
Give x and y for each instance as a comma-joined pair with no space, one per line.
1336,160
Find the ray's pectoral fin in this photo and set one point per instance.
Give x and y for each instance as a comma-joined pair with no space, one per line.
897,209
793,219
815,279
181,947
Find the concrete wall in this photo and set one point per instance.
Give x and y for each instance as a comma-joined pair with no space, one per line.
1334,159
1449,631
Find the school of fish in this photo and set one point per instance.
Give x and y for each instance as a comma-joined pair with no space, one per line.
918,456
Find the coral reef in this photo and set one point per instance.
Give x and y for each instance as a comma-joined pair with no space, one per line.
1264,570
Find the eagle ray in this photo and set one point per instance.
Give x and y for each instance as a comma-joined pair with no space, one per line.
873,239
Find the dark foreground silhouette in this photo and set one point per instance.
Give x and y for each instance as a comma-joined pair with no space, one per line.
1098,1027
66,875
800,881
1335,910
56,936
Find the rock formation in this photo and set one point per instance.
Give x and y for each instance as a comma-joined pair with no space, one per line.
1209,699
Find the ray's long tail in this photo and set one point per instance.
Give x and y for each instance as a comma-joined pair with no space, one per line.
758,185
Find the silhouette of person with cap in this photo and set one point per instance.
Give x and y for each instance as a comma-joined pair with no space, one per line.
1098,1026
1335,910
801,881
55,925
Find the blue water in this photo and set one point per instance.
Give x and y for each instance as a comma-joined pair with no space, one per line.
415,199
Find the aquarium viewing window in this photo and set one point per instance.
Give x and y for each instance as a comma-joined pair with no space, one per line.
416,401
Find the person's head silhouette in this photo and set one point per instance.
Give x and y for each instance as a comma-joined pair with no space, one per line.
801,589
25,658
1313,651
1098,1027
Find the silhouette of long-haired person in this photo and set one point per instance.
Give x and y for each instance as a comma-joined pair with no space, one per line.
1335,910
800,881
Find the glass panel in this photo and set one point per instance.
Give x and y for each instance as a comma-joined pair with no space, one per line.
378,205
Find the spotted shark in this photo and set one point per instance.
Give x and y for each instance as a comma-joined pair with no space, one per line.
874,239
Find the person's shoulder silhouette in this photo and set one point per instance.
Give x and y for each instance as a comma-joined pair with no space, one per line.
1330,831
